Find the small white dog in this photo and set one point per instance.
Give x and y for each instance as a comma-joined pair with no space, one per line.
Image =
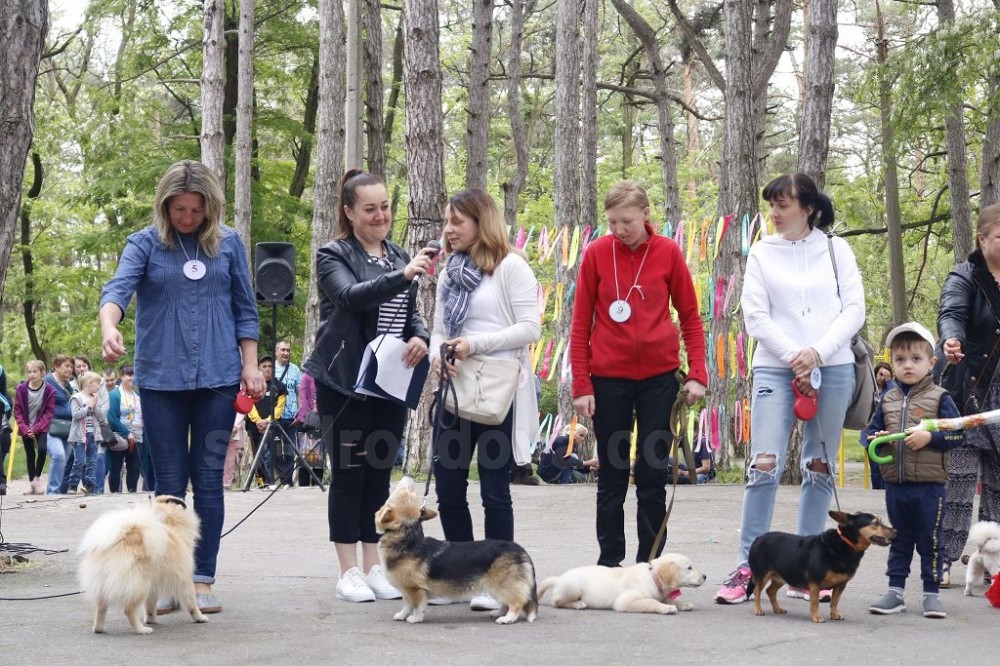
641,588
131,556
985,538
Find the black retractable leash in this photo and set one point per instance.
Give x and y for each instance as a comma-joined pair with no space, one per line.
437,411
678,427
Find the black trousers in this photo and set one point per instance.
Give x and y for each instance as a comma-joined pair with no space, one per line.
617,403
130,459
362,437
4,450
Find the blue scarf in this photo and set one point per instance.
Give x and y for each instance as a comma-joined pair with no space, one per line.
463,278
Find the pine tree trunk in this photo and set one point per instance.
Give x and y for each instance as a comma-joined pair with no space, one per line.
958,162
897,270
693,138
355,87
588,113
566,193
989,182
213,84
329,146
772,22
374,93
425,176
665,120
519,136
243,212
478,111
737,196
817,102
23,26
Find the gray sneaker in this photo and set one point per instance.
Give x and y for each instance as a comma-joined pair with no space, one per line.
888,604
933,606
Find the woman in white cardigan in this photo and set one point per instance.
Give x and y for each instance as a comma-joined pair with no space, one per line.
487,304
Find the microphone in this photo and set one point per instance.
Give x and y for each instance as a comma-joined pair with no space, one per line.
432,249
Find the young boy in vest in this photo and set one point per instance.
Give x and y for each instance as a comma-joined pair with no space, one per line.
915,478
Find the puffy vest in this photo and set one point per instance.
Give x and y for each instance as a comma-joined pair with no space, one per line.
901,411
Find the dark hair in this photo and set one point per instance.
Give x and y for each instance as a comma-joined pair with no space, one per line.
352,180
127,370
880,365
83,358
803,189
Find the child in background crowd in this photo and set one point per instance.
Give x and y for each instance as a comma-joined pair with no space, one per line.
84,431
34,404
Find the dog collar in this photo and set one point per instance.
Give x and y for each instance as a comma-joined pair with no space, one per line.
853,546
673,594
179,502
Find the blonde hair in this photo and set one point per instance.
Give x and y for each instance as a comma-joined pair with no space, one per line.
988,217
184,177
87,378
581,430
626,193
491,246
36,364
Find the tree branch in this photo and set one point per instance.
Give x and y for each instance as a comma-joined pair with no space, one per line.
697,46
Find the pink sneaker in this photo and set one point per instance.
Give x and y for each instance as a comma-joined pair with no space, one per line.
734,590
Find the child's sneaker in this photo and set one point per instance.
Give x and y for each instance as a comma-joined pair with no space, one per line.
799,593
734,590
933,606
888,604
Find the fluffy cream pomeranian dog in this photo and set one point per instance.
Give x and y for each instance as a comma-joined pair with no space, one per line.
132,556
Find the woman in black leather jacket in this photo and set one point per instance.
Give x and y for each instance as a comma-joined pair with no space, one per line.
969,326
365,290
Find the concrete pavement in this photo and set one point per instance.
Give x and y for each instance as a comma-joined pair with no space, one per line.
277,575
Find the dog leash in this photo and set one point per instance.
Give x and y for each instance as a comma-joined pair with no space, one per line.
678,428
437,410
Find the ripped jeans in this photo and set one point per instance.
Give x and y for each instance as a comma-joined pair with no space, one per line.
771,424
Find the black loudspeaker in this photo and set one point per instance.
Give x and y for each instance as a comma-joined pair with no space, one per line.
275,273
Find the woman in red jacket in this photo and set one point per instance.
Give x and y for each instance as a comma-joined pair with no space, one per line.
625,352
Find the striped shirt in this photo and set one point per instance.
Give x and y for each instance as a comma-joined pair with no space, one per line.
391,314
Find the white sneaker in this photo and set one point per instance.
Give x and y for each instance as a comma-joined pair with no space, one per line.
442,601
380,585
484,602
352,587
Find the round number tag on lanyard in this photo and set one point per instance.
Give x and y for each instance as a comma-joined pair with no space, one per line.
620,311
194,269
815,378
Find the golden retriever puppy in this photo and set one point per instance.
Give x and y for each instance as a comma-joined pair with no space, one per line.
422,567
641,588
131,556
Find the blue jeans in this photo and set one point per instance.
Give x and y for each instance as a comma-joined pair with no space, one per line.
85,463
57,467
771,421
188,433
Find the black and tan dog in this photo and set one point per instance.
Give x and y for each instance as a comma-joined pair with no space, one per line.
422,567
826,561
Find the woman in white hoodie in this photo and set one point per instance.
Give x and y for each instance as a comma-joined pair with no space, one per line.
803,316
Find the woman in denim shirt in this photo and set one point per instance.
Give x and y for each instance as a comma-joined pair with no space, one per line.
196,337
